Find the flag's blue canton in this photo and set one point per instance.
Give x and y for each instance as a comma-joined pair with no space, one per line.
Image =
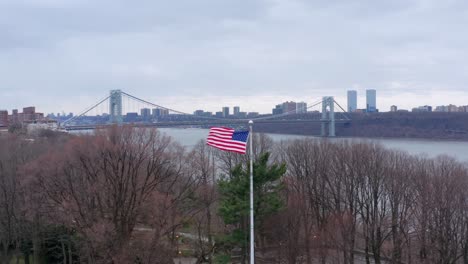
240,136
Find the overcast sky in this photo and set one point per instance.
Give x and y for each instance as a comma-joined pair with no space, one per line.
64,55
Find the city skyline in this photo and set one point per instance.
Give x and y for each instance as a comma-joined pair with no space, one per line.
187,56
290,107
403,103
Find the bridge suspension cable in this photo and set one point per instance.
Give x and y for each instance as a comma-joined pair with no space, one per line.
217,118
100,106
86,111
344,111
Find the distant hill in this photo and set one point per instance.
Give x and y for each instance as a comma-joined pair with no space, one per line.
434,125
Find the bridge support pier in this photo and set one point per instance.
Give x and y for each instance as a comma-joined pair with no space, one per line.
328,116
115,107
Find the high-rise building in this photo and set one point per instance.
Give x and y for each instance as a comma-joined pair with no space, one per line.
301,108
371,100
452,108
252,114
352,101
198,112
3,118
289,107
145,113
225,111
425,108
29,114
14,116
393,108
236,110
441,108
157,112
278,110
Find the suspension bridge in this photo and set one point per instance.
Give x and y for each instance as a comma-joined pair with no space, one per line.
120,107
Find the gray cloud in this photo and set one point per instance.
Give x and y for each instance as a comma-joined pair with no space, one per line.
266,50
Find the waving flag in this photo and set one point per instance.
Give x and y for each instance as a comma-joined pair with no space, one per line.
228,139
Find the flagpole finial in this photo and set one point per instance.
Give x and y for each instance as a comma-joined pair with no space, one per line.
250,122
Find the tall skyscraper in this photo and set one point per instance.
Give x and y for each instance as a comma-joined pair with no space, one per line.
352,101
225,111
371,100
236,110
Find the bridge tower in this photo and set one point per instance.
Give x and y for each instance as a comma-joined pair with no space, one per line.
328,116
115,106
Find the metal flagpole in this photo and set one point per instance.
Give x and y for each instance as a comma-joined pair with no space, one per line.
252,245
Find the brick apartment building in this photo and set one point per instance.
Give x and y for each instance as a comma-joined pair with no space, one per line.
3,118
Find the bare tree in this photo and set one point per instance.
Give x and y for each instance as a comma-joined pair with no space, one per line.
99,183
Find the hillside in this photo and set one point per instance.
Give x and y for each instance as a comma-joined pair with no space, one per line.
453,126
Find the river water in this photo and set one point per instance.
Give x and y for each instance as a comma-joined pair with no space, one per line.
431,148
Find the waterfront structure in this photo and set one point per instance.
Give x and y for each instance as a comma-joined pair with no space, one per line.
236,110
393,108
219,114
352,101
115,106
242,115
371,100
301,108
131,117
225,111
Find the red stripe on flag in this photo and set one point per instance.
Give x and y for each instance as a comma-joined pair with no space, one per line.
221,138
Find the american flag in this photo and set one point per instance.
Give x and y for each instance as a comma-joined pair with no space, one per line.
228,139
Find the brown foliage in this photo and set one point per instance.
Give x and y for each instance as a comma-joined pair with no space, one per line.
99,184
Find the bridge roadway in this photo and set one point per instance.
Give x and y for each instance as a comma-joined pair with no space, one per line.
201,123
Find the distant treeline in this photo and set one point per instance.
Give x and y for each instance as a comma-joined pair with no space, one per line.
433,125
133,195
